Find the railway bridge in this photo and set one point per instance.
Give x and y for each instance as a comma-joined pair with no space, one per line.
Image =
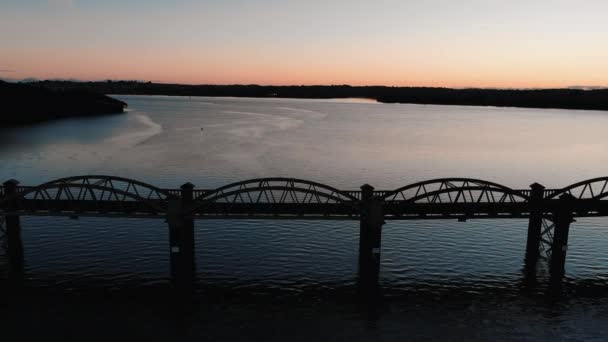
550,212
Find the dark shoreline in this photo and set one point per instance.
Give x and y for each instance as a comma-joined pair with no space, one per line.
26,104
576,99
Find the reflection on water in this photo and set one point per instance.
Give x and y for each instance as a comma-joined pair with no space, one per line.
465,277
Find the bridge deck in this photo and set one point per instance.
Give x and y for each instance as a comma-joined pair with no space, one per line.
392,210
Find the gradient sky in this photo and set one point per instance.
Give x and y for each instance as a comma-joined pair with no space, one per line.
454,43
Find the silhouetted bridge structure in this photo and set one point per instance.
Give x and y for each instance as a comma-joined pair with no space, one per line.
549,211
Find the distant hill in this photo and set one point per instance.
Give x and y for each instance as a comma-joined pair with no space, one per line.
588,87
33,102
531,98
538,98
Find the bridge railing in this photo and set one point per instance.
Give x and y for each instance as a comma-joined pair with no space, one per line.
19,189
196,192
201,192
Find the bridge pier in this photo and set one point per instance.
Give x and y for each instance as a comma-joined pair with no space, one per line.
534,226
181,240
13,237
563,216
370,237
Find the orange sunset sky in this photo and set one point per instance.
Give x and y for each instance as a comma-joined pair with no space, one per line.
469,43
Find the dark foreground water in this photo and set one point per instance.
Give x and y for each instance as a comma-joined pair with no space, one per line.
296,280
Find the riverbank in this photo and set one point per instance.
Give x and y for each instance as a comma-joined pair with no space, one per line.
596,99
33,103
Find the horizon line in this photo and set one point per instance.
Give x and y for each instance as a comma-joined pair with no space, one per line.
34,80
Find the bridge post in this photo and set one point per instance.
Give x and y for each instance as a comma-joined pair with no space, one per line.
370,237
13,235
181,239
534,225
187,190
563,216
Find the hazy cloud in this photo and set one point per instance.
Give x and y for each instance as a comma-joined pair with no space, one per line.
6,70
61,3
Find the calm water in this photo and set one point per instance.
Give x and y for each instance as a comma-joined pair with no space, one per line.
465,278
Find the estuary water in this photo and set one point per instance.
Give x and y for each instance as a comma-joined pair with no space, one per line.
278,280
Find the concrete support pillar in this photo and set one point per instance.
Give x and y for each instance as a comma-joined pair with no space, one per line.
188,229
535,224
563,216
181,239
13,236
370,237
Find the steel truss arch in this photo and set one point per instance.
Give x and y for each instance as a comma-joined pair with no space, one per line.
595,188
98,189
469,194
436,189
141,189
275,191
